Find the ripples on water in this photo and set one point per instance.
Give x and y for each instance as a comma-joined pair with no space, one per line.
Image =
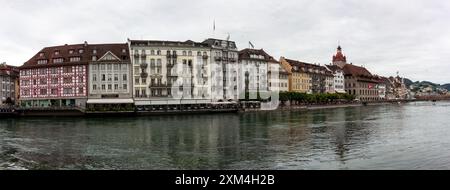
411,136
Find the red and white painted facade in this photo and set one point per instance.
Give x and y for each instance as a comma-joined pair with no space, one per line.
56,76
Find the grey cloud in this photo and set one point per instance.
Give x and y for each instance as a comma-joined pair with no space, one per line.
410,36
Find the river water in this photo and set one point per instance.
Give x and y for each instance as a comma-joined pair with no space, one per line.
407,136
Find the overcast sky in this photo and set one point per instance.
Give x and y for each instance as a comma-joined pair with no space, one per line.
409,36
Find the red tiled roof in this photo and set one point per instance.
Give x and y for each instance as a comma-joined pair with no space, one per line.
350,69
48,53
245,54
306,66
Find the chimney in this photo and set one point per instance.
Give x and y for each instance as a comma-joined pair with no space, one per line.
85,43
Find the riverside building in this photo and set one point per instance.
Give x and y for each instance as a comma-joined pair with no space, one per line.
9,77
56,77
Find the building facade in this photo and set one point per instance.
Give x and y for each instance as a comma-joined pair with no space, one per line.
253,71
298,77
9,77
168,70
279,81
358,80
224,70
338,82
56,77
307,77
110,82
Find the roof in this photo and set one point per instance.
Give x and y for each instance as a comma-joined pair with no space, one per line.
84,51
306,67
333,68
212,43
246,54
8,70
354,70
188,43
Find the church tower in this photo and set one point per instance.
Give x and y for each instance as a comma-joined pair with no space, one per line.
339,59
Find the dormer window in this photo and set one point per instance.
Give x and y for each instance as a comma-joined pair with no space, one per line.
80,51
75,59
124,51
70,51
42,61
41,54
57,52
94,58
58,60
94,51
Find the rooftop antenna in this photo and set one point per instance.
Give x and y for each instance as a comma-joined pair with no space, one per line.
251,46
214,28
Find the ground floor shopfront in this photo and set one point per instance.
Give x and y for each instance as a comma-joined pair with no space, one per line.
47,103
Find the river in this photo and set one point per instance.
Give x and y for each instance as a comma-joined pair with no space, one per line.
408,136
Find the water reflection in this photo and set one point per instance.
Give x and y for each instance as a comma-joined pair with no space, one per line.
344,138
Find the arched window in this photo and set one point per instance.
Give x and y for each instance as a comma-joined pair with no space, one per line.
184,53
152,52
199,53
158,52
190,53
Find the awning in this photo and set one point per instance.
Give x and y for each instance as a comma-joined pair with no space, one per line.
110,101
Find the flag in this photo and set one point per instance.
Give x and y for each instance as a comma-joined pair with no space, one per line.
228,37
214,25
251,45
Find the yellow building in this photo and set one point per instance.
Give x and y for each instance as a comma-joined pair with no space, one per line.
299,78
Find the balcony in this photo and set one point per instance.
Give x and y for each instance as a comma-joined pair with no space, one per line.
158,85
144,66
144,75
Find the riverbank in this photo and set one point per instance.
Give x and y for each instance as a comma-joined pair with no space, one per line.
237,109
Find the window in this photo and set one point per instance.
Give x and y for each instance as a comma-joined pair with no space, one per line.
116,67
124,86
124,51
94,51
94,58
67,80
109,77
56,52
58,60
103,87
67,90
102,67
184,53
190,53
53,70
152,52
116,77
158,52
109,67
80,90
71,51
42,61
43,92
80,51
109,87
42,71
94,87
136,80
144,81
103,77
54,91
81,79
75,59
67,69
116,86
124,77
43,81
41,54
94,77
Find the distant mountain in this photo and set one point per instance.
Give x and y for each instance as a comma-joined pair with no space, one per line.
446,86
408,82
